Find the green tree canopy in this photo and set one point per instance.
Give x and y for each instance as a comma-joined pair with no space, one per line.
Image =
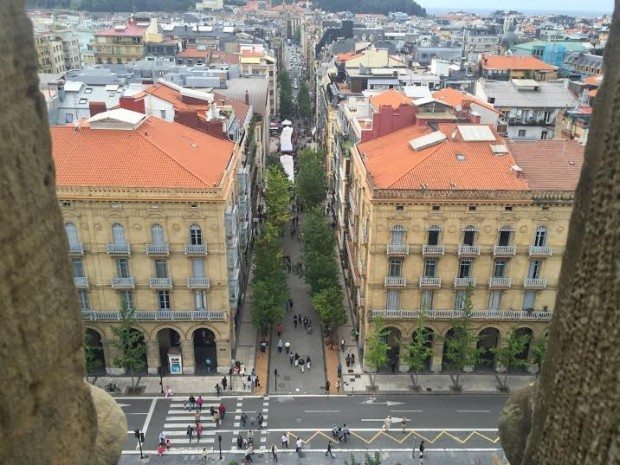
539,348
304,103
286,94
277,197
419,351
130,344
310,184
377,352
329,305
509,353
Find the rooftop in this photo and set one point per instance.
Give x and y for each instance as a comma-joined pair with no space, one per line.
391,97
448,162
547,94
154,154
130,29
516,62
456,98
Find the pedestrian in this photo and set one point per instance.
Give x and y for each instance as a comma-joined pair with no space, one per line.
168,391
298,445
197,417
348,360
212,410
248,457
280,345
244,419
342,345
352,359
190,433
404,424
274,453
287,346
260,420
224,383
199,402
217,419
192,402
256,382
168,444
292,359
239,441
295,321
387,424
251,437
327,384
222,410
284,440
253,372
205,455
339,369
162,437
329,449
198,432
422,447
279,329
345,432
338,386
308,362
160,450
290,304
301,362
393,367
299,318
218,389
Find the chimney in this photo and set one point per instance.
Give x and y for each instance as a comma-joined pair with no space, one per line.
247,98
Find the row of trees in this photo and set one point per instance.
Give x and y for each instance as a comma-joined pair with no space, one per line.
304,105
461,349
269,285
318,252
286,94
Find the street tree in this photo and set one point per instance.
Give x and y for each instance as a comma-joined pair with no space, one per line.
286,94
267,307
329,305
461,348
277,197
310,184
539,349
508,355
374,459
317,235
377,353
303,102
129,343
91,360
419,351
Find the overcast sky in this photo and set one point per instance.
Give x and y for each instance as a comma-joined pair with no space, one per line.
567,5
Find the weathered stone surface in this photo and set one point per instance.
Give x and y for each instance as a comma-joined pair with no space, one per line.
516,421
46,411
111,427
576,418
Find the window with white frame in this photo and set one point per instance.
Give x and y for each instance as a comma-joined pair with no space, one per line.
504,237
198,268
426,299
533,269
469,235
540,238
122,268
495,300
126,300
200,299
397,236
529,298
465,268
72,233
459,299
433,235
395,268
83,299
161,268
500,266
430,268
78,268
118,234
393,300
163,300
157,234
195,235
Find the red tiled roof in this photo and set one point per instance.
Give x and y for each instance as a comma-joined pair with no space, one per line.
515,62
218,56
241,109
595,80
393,164
130,30
456,98
194,53
347,56
391,97
550,164
157,154
592,93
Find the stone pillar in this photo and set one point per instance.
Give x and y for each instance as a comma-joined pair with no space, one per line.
110,353
437,356
403,356
152,357
223,356
189,360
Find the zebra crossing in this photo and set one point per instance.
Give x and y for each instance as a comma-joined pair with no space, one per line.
179,418
260,435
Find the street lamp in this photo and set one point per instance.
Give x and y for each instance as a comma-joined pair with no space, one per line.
161,379
275,385
139,435
219,439
230,372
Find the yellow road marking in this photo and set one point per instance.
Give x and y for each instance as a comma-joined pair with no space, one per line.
410,434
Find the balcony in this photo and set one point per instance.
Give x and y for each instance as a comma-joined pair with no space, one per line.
361,267
81,282
76,248
395,281
157,315
540,251
364,238
123,283
353,204
157,249
469,250
160,283
508,315
118,249
361,301
397,249
433,250
195,249
534,283
198,283
464,282
429,282
504,250
499,283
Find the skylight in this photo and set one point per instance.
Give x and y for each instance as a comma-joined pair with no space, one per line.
427,140
475,133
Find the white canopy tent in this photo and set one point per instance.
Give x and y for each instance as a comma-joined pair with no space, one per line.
289,166
286,143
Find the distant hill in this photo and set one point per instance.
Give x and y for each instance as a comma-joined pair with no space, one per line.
372,6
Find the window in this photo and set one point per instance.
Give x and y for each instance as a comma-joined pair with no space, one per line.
508,209
395,267
426,300
72,234
397,235
436,208
430,268
200,300
83,101
529,298
465,267
122,268
400,208
393,300
433,235
78,268
161,269
163,300
157,234
195,235
469,235
118,234
472,208
88,90
83,300
503,239
68,117
163,114
495,300
127,300
533,270
540,238
459,299
521,133
499,268
198,268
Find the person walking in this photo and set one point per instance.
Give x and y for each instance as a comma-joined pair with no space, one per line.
224,383
348,360
280,345
287,346
192,402
244,419
339,369
422,447
251,437
342,345
222,410
197,417
218,389
308,362
393,367
279,329
388,423
216,419
298,445
162,437
327,384
199,402
284,440
212,410
329,449
190,433
260,420
274,453
404,424
198,432
239,441
290,304
292,359
295,321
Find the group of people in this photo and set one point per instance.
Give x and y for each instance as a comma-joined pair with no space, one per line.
298,320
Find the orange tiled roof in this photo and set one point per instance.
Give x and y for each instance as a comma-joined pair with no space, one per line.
157,154
595,80
592,93
217,56
130,30
347,56
455,98
194,53
516,62
391,97
393,164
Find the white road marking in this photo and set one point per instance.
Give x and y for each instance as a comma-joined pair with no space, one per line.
149,415
373,419
473,411
184,451
412,411
322,411
136,413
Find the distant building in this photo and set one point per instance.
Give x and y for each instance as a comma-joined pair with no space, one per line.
582,64
554,53
50,54
122,43
506,67
210,5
